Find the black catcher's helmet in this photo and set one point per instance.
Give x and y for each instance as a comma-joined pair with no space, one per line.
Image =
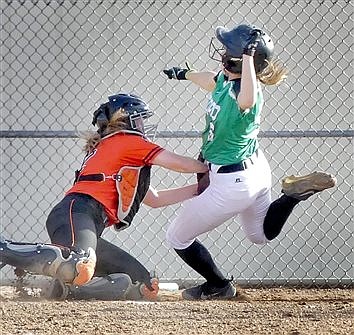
135,108
233,43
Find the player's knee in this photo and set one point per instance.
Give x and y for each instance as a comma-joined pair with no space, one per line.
170,239
175,241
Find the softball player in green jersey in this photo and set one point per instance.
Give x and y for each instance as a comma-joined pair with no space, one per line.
240,176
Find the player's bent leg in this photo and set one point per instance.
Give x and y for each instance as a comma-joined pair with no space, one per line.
251,219
302,187
69,266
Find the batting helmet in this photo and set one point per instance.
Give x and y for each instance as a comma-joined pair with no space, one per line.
234,42
135,108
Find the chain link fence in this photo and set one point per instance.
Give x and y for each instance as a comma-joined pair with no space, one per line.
61,59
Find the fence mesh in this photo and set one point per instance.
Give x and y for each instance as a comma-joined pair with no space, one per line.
61,59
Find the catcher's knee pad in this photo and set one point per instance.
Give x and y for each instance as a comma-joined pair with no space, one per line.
75,267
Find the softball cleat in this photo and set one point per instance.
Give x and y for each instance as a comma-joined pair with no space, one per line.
302,187
208,292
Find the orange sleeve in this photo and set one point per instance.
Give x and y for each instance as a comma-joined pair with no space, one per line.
141,150
152,154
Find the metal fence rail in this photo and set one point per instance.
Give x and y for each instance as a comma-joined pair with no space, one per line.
61,59
181,134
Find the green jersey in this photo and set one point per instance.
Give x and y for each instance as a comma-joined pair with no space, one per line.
230,135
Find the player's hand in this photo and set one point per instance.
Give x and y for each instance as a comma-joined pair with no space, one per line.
252,43
178,72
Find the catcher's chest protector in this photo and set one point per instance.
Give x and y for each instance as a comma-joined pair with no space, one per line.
131,189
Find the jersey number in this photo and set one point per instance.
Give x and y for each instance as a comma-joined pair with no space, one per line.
212,110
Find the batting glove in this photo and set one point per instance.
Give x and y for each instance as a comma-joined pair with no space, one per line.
177,72
252,43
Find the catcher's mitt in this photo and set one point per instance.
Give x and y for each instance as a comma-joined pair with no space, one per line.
202,178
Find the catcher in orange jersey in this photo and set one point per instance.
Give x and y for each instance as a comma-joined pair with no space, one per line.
113,181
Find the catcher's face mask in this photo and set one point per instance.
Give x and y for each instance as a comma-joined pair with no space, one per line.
137,123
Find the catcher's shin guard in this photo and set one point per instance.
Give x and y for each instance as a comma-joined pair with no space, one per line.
116,286
43,259
111,287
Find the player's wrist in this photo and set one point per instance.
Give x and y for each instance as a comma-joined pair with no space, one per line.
249,51
188,73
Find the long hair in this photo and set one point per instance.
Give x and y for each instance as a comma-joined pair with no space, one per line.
274,73
119,121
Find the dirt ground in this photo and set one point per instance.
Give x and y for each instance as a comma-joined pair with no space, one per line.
255,311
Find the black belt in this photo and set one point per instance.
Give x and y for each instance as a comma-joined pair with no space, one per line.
99,177
243,165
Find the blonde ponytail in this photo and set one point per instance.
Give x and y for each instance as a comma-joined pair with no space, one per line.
274,73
